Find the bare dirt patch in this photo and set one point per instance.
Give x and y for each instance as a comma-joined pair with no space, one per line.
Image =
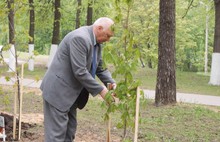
24,126
33,132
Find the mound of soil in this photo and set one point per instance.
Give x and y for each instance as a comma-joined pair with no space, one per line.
24,126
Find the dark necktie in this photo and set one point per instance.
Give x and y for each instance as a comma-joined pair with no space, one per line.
94,61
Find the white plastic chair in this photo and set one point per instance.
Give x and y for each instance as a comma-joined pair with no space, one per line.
2,127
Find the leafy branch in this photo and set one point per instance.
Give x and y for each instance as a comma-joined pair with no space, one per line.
124,56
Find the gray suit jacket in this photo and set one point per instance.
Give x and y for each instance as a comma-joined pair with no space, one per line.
69,71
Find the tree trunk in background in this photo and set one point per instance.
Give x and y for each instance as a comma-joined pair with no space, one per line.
56,24
215,69
56,31
89,12
13,64
12,55
206,40
166,78
217,27
149,62
78,12
31,34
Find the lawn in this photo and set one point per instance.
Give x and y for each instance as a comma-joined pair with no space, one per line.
174,123
186,82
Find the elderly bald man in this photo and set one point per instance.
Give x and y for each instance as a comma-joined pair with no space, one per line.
71,77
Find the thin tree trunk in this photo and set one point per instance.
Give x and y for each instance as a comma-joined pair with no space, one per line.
215,68
56,24
149,62
217,27
13,62
89,12
31,24
31,34
12,50
11,21
206,41
142,63
166,78
56,32
78,12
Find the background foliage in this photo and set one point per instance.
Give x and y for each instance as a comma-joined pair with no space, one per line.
190,26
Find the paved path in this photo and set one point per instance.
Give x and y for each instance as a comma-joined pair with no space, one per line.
26,82
181,97
189,98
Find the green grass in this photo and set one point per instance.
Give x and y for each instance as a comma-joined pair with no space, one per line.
38,73
192,82
24,56
177,123
180,122
186,82
32,100
174,123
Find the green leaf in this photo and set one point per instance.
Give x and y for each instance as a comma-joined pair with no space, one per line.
7,78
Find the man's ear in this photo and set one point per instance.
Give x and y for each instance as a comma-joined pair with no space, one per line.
112,28
100,28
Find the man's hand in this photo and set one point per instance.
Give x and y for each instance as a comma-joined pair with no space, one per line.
104,92
103,95
112,86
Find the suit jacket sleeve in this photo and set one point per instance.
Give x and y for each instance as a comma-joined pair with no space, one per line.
103,74
80,51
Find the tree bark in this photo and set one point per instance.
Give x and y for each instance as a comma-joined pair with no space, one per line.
12,50
56,32
56,24
166,78
78,12
11,22
215,68
32,22
89,12
217,27
149,62
31,34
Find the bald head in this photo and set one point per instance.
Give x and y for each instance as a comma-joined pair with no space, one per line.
105,22
102,30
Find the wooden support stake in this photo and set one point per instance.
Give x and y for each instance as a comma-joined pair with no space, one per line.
109,120
137,115
21,100
15,113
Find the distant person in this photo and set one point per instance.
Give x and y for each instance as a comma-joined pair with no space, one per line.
71,77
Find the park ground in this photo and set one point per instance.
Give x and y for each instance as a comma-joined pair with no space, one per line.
179,122
32,121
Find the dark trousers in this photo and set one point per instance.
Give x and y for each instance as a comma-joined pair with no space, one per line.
59,126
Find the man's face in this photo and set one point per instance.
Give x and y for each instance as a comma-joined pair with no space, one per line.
103,35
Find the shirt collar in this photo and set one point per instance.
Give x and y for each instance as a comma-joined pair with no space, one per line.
94,39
